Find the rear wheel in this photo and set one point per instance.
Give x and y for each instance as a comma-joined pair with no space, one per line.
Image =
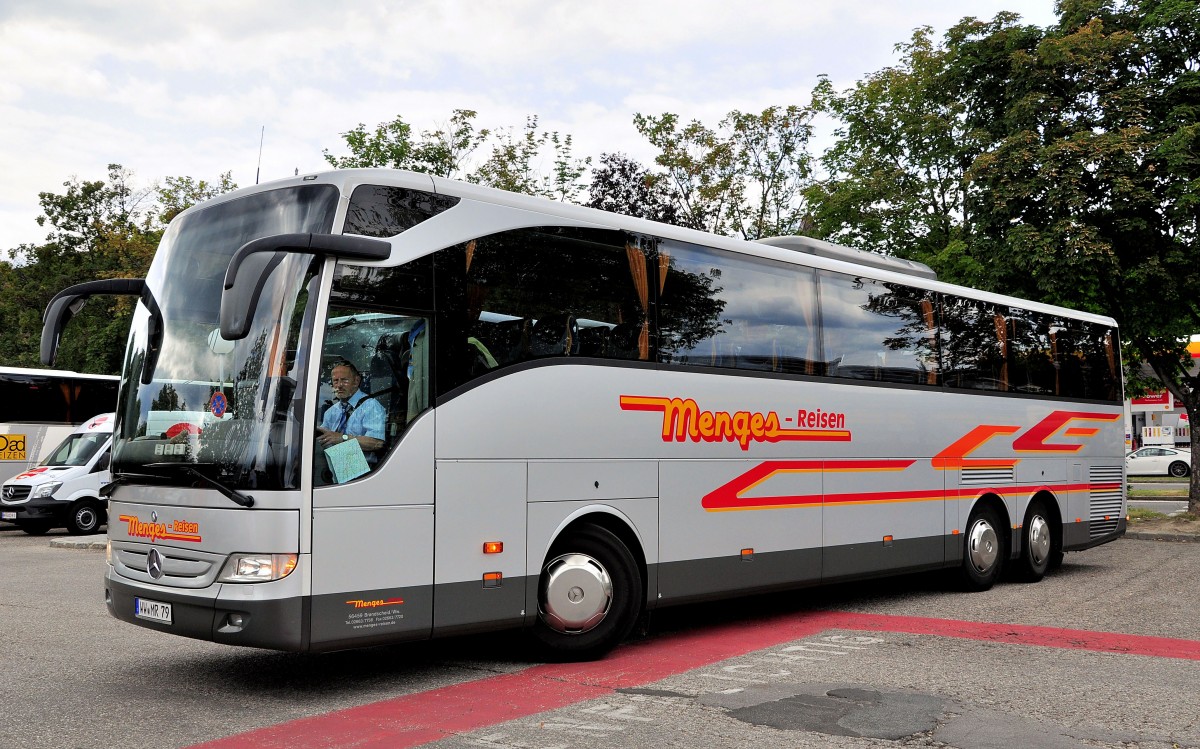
983,557
589,594
1037,547
1179,469
86,517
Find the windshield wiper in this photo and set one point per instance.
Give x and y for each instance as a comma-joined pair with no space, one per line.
245,500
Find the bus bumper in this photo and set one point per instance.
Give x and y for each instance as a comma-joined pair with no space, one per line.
1078,536
205,615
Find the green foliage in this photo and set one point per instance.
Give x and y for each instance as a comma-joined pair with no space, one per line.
97,229
745,178
441,152
621,185
514,164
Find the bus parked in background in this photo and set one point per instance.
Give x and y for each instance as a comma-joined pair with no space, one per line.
587,416
40,407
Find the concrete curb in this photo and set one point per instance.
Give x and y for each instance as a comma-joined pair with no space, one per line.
1152,536
80,542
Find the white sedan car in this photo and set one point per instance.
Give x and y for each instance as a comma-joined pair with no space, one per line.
1158,461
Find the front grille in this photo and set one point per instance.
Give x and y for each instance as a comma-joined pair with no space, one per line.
14,495
1107,506
988,476
182,568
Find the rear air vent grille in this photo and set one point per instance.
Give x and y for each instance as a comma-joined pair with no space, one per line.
1107,505
987,476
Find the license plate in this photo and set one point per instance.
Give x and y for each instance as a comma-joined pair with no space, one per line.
155,611
8,516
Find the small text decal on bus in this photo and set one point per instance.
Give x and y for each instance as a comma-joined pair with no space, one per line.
683,419
180,530
359,603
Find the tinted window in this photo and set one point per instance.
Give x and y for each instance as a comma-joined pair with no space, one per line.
536,293
54,400
995,347
719,309
377,211
878,331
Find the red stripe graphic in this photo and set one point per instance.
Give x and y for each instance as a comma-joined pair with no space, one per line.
415,719
731,496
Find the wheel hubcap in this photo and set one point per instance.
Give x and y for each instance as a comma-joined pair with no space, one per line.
1039,539
982,546
576,594
85,518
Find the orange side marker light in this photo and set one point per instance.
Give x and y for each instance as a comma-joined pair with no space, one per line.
493,547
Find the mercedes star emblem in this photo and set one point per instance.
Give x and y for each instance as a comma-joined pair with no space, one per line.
154,564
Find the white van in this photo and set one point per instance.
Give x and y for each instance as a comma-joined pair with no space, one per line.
64,490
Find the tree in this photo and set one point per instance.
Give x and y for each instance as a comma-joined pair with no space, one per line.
441,152
621,185
513,164
897,171
97,229
745,178
1070,153
177,194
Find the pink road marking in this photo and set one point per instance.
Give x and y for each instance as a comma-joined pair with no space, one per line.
423,717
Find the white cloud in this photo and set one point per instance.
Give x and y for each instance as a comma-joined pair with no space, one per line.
185,88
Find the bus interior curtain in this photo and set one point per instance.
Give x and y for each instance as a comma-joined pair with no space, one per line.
1055,363
931,332
641,282
1002,337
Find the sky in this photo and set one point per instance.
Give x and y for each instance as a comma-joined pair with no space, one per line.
170,89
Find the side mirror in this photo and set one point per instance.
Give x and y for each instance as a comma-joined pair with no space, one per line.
67,303
242,290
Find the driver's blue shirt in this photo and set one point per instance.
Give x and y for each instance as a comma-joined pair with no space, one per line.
367,419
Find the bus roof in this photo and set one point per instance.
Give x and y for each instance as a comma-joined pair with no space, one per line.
529,211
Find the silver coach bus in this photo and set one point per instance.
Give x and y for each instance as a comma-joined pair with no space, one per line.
587,416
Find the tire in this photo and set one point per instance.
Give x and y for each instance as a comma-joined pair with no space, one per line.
589,595
1038,544
985,550
1179,469
86,517
35,527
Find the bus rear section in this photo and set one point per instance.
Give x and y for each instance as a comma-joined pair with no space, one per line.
41,408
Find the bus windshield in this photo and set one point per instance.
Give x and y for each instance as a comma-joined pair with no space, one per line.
190,397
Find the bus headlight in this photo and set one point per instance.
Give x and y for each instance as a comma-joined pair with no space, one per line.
257,568
46,490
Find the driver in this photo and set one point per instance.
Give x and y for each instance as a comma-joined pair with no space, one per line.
353,415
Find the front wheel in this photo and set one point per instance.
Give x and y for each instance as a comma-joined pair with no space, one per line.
983,557
35,527
589,594
86,518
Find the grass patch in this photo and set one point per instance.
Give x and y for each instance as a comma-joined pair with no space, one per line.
1141,513
1157,494
1158,479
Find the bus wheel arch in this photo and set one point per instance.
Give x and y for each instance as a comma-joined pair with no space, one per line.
1041,538
590,588
986,544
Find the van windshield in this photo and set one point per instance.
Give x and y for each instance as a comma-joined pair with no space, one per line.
77,450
